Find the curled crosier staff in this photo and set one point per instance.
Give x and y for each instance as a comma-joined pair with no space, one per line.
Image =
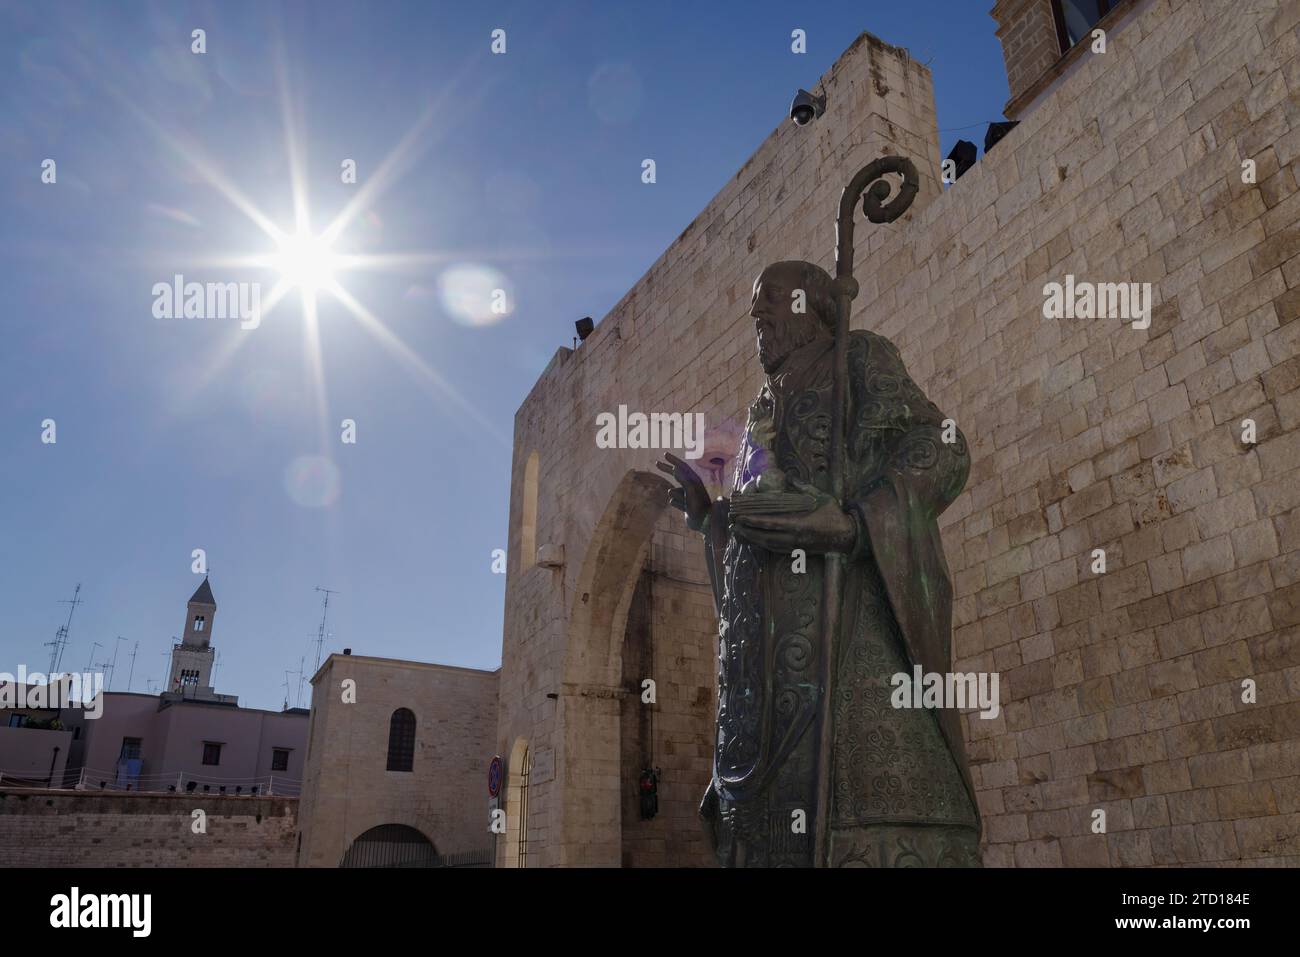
871,185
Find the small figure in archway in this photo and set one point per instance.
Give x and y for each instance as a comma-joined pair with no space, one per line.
897,786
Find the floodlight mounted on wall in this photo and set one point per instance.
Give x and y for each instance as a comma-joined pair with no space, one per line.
963,156
997,131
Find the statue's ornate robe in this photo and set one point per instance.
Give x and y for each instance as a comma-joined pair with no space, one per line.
900,785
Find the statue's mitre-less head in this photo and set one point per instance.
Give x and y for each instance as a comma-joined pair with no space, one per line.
793,304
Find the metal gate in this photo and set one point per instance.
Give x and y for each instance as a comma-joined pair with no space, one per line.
390,845
396,845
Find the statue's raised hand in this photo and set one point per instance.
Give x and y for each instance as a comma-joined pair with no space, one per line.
690,496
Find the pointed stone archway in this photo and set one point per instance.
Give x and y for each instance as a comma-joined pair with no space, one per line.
599,759
592,686
516,805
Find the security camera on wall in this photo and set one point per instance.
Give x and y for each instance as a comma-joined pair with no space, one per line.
807,107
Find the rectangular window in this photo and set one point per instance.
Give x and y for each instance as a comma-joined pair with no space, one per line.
1076,18
279,759
211,752
130,749
17,720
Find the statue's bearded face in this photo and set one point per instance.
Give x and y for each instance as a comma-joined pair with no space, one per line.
780,329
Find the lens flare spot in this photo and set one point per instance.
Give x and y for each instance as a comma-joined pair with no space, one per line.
475,295
312,481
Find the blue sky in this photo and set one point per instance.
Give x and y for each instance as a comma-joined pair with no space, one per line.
183,434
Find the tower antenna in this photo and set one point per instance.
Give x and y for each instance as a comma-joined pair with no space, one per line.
297,695
320,632
170,655
112,665
61,636
104,666
131,676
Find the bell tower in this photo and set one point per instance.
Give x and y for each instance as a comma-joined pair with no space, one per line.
191,673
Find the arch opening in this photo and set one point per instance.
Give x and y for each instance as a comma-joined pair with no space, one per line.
390,845
608,737
521,762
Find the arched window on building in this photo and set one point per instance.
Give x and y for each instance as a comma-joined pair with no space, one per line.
198,622
528,522
401,740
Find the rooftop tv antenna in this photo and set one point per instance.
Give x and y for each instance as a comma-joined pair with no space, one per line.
112,665
320,632
105,668
297,695
61,636
169,655
131,675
